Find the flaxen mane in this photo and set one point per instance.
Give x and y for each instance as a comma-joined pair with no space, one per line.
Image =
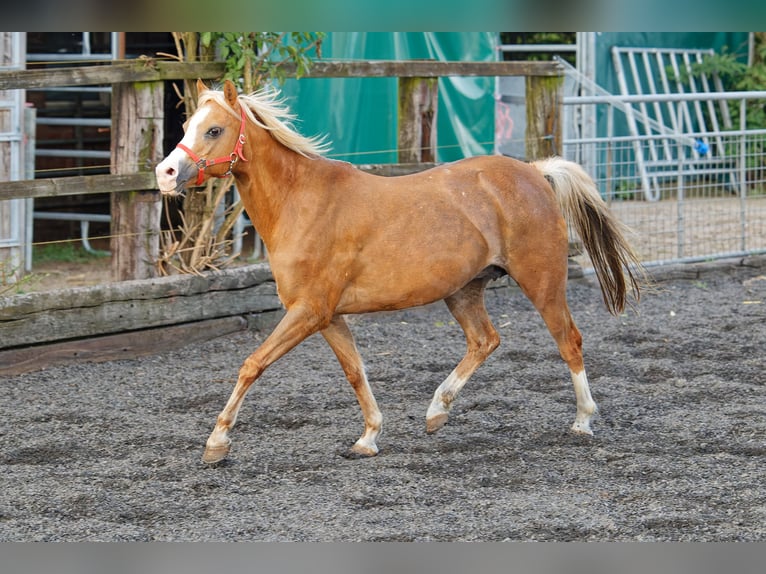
268,110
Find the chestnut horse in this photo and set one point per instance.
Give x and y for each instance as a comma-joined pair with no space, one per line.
343,241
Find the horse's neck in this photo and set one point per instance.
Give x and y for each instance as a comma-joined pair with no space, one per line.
266,183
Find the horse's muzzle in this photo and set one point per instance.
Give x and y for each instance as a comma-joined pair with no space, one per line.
174,173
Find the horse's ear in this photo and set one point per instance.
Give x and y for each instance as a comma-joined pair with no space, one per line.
201,87
230,92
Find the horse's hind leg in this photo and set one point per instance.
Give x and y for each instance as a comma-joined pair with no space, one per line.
467,306
547,291
342,343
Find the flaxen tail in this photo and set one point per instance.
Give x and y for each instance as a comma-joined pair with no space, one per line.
617,266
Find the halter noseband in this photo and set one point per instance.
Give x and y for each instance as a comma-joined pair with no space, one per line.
202,163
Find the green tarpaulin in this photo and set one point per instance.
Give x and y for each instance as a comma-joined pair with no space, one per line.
359,114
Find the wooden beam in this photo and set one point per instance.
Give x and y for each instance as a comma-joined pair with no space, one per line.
151,70
107,308
120,346
140,70
427,69
76,185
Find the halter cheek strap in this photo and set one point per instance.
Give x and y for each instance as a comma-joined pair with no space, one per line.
202,163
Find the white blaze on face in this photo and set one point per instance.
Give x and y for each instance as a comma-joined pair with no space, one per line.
167,170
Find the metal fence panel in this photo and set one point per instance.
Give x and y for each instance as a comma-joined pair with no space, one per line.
697,215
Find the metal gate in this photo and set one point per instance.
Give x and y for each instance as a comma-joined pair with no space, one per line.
696,124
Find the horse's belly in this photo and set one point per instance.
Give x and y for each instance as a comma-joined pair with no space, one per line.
403,287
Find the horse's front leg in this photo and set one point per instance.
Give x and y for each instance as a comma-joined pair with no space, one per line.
341,341
298,323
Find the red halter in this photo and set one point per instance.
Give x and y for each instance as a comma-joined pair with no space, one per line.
202,163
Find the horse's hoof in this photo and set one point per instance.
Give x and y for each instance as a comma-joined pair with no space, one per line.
351,454
215,454
361,451
582,428
435,422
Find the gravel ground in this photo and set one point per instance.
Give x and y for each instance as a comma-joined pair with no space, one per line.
111,451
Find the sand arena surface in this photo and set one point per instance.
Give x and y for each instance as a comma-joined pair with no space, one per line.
111,451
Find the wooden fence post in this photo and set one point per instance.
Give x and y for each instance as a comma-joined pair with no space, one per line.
544,116
137,118
418,103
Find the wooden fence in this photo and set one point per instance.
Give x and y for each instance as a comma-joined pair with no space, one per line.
136,147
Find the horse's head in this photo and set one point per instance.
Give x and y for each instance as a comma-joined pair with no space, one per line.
212,144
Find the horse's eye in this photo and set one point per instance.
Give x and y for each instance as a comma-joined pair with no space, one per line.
214,132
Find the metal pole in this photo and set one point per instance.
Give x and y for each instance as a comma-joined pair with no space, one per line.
30,114
680,202
743,174
609,154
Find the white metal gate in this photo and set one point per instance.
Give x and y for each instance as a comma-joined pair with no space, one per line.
12,212
696,122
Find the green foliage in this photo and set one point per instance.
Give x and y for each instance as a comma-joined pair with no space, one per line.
254,57
626,190
738,76
725,64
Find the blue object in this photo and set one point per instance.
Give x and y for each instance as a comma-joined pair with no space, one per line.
701,146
